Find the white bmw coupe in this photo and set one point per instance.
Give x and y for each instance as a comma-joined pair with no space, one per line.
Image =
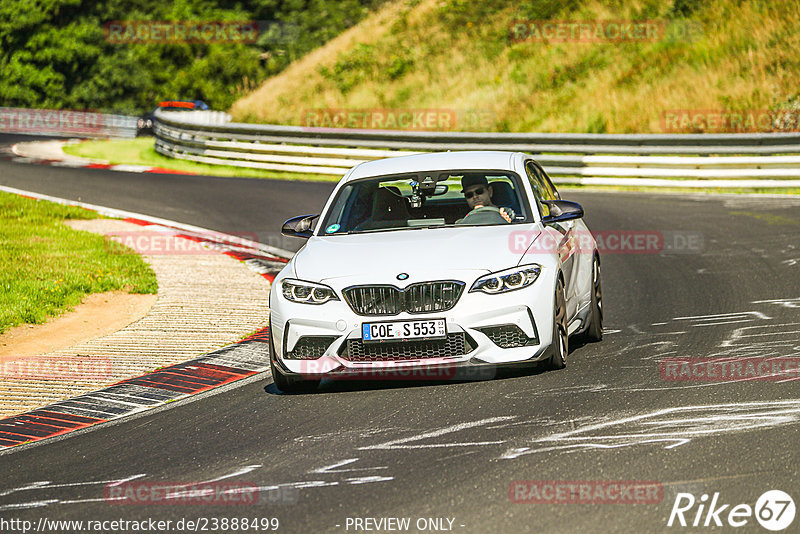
456,261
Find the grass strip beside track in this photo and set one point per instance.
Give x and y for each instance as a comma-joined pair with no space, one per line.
141,151
678,189
48,267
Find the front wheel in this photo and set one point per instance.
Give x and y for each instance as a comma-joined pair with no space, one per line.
594,332
560,345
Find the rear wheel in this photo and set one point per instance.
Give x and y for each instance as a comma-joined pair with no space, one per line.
594,332
285,383
560,346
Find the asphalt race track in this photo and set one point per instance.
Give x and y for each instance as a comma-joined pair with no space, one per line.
728,287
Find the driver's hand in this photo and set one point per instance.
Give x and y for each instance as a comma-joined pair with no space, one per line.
507,214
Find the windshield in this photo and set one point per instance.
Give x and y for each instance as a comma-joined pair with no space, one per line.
433,199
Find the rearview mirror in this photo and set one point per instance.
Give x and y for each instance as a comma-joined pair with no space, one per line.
299,226
562,210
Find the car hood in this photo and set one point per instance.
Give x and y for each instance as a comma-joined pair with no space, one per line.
424,254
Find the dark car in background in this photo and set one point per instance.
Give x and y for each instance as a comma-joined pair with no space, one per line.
144,126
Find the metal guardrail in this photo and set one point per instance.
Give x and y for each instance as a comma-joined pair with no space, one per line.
203,117
739,160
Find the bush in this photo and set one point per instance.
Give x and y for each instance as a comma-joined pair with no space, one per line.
56,56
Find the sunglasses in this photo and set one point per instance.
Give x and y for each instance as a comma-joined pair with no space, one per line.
479,191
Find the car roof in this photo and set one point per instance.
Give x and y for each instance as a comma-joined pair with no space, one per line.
472,160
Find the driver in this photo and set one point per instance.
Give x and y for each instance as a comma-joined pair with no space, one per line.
478,194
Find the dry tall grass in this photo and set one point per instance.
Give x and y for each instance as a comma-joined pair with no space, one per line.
457,55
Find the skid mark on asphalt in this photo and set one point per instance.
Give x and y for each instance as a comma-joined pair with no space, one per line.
666,428
670,428
757,331
353,435
568,390
786,303
756,335
722,318
47,486
411,441
336,474
77,491
764,334
335,468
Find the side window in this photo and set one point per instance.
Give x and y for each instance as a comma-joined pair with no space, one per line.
540,190
536,183
549,184
542,183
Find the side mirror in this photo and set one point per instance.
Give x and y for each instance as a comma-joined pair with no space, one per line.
562,210
299,226
441,189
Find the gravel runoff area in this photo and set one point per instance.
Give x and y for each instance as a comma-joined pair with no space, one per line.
53,150
206,300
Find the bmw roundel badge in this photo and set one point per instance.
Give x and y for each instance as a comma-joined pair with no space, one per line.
402,276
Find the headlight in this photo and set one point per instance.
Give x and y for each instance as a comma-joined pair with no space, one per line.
306,292
508,280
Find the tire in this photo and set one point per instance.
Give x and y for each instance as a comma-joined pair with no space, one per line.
287,384
594,332
560,346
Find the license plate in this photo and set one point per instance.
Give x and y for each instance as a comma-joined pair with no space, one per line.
402,330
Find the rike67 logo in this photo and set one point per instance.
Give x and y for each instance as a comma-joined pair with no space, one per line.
774,510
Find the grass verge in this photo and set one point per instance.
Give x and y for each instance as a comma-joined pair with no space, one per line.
490,64
740,190
48,267
141,151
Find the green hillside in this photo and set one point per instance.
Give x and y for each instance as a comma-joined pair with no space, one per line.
61,54
465,59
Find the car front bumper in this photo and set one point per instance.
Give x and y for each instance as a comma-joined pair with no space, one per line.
333,333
